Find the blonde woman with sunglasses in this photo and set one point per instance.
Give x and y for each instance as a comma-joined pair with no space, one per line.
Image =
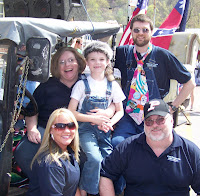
55,169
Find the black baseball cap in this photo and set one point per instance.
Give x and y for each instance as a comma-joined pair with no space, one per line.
156,107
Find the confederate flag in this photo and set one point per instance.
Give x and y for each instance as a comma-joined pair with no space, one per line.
162,37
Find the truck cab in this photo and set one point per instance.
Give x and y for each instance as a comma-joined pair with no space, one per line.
34,39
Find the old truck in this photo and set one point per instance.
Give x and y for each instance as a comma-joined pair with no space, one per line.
36,39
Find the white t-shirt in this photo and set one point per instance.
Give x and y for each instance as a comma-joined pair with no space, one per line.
98,88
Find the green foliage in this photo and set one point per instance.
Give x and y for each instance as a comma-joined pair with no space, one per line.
103,10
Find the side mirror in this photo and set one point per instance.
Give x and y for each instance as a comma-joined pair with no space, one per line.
39,52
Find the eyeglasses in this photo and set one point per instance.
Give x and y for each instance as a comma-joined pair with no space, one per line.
158,121
62,126
68,61
137,30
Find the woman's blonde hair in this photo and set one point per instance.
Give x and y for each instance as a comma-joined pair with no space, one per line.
55,65
102,47
49,147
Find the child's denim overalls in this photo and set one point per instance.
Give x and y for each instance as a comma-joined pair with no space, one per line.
95,143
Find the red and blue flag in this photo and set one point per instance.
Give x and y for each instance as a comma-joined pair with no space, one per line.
162,37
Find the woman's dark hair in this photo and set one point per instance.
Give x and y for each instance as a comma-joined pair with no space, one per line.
55,65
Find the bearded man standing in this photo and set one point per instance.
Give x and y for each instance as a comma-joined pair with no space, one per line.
146,71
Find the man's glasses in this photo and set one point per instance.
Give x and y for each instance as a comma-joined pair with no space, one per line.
158,121
137,30
62,126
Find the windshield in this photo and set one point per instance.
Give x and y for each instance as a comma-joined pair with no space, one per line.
3,64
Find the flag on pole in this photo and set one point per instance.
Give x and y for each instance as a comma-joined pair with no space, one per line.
184,19
140,9
162,37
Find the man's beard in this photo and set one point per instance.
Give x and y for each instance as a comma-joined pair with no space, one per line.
140,44
159,137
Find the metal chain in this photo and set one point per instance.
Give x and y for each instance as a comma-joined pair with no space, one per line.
16,112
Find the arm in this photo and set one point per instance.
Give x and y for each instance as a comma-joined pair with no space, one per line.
96,119
109,112
106,187
119,113
106,126
32,132
78,193
184,93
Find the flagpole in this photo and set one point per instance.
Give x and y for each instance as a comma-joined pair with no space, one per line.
154,18
129,11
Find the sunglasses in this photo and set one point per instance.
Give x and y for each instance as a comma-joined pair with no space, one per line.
158,121
62,126
137,30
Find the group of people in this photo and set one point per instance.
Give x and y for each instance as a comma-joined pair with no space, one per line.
139,158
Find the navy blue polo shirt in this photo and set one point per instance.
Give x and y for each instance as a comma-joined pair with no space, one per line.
170,174
165,66
50,96
48,178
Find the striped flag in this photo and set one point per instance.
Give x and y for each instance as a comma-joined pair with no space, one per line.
162,37
140,9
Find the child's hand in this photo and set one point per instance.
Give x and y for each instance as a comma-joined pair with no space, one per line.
105,127
99,119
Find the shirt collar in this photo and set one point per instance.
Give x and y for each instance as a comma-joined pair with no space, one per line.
177,141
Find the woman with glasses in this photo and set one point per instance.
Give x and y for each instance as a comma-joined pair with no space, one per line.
67,66
55,165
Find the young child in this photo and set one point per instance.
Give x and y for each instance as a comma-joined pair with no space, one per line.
97,91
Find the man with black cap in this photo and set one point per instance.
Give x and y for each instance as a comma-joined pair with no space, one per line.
155,162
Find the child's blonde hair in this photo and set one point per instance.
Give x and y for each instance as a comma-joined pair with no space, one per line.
102,47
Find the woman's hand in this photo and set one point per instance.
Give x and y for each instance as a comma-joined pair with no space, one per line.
101,112
34,135
32,132
106,125
109,112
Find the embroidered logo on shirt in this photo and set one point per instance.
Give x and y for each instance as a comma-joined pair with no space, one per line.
151,63
173,159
